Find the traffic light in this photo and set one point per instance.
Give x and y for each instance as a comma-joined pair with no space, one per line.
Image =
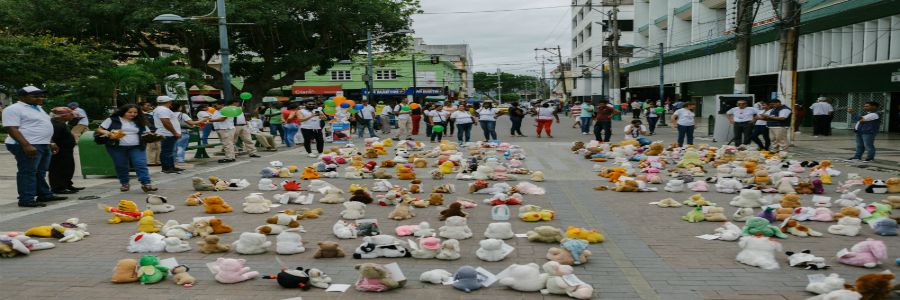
435,59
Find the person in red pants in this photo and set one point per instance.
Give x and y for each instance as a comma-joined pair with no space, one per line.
416,118
545,116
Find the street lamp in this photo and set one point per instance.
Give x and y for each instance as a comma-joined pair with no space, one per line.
223,40
369,74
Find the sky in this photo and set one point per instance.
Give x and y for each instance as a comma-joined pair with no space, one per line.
498,39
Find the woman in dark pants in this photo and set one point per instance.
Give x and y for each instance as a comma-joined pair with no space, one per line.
652,117
760,128
516,115
311,128
62,163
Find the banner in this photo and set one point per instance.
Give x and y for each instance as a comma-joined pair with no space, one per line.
340,132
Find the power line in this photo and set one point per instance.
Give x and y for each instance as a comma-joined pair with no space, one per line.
491,11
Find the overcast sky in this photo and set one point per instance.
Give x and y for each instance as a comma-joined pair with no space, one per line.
498,39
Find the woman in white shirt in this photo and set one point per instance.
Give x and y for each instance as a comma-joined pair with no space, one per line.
760,126
545,115
126,148
684,120
487,117
311,128
186,123
437,117
203,114
464,121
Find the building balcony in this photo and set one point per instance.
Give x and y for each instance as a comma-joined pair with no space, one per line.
644,30
662,22
684,12
714,3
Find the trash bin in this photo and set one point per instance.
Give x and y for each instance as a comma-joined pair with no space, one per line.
93,157
618,117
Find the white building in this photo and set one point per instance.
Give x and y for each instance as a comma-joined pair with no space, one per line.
591,36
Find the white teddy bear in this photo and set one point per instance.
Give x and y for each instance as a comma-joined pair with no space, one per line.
294,197
266,184
848,226
436,276
423,230
146,242
332,196
173,229
255,203
344,230
251,243
831,283
758,252
500,230
728,186
353,210
675,186
289,242
449,250
728,232
491,250
175,245
455,227
748,198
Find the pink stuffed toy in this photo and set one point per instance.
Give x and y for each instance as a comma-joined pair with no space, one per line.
229,270
869,253
405,230
698,186
328,159
822,214
340,160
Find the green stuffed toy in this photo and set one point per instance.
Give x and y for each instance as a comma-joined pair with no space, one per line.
694,216
761,226
878,210
150,271
690,159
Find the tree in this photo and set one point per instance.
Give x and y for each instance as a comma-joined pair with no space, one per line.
46,61
118,79
286,39
486,83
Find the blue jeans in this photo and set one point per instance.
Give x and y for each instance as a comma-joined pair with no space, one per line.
488,127
865,142
204,134
685,131
362,124
30,179
290,130
585,124
277,130
125,157
764,131
181,147
643,141
651,122
167,152
463,129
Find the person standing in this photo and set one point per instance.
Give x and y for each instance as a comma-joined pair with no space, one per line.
241,131
62,163
404,120
291,123
635,109
203,115
311,128
545,115
386,113
603,115
683,119
438,117
416,118
464,121
779,122
366,119
451,125
182,144
575,113
276,124
265,139
152,148
81,117
487,118
742,118
867,126
516,115
167,125
653,114
760,127
587,111
127,150
427,116
224,127
822,112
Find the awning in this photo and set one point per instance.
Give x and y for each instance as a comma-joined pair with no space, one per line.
435,98
315,90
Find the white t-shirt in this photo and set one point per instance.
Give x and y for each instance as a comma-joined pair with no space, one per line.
162,112
685,117
461,117
228,123
33,123
487,114
386,110
438,116
762,122
312,123
742,115
203,114
368,112
821,108
545,113
255,125
401,115
783,113
633,131
183,118
132,137
83,115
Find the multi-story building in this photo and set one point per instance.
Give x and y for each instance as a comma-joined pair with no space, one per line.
558,89
460,55
591,40
849,51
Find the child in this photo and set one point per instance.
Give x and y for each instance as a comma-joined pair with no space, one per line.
635,130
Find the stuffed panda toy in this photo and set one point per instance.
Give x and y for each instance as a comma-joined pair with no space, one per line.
292,279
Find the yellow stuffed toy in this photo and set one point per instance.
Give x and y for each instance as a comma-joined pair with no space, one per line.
592,236
356,187
379,148
446,167
690,159
125,211
825,178
148,224
405,173
534,213
388,143
309,173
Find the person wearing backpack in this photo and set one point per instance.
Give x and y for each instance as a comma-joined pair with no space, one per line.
123,130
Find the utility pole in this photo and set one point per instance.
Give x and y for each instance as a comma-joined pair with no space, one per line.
787,78
544,92
662,82
562,74
415,75
614,57
499,89
743,30
369,82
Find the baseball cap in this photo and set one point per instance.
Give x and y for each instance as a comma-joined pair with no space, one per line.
61,111
29,90
73,103
162,99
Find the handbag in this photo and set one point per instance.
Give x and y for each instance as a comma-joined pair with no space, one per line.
151,137
101,139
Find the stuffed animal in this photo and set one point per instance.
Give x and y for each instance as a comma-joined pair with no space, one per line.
255,203
229,270
694,215
877,187
822,214
360,195
367,229
591,236
216,205
492,250
403,211
767,213
502,231
280,222
758,251
877,210
69,231
125,211
847,212
194,199
266,184
761,226
524,278
869,253
175,245
292,278
667,202
210,244
159,204
455,209
467,279
804,187
556,284
405,173
537,176
148,224
742,214
884,226
309,173
201,185
675,186
201,227
380,246
875,286
455,227
444,189
291,185
333,196
251,243
793,227
534,213
375,278
714,214
728,186
329,250
785,186
894,201
804,259
344,230
150,271
849,199
545,234
428,247
318,279
125,271
353,210
382,185
570,252
847,225
146,242
449,250
790,201
181,276
728,232
698,186
289,242
832,282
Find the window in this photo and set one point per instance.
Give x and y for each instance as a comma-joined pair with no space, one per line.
589,29
626,25
340,75
588,54
385,74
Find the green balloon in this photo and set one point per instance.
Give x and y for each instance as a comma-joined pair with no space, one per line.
660,110
246,96
231,111
329,103
405,108
329,110
437,128
352,111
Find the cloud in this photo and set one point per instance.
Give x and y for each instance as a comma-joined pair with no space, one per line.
499,39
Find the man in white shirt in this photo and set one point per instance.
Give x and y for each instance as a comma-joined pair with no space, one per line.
404,119
82,118
867,126
760,126
741,117
241,131
386,113
265,139
204,115
778,119
822,113
167,125
224,127
365,118
30,131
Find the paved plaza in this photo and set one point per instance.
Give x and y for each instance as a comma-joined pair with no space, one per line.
649,252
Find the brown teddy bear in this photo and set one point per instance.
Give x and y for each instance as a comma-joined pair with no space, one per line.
455,209
545,234
419,163
436,199
893,185
194,199
415,188
329,250
125,271
388,163
783,213
216,205
201,228
715,214
577,145
627,186
791,201
375,278
210,244
218,226
874,286
894,201
403,210
181,277
371,153
310,213
847,212
804,187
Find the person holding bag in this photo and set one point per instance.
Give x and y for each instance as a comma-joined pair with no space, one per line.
464,121
125,135
291,123
438,117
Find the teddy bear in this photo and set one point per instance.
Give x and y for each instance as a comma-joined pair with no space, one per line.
534,213
375,278
523,278
150,271
790,201
500,230
344,230
742,214
125,211
793,227
125,271
884,226
455,227
714,214
785,186
405,173
255,203
218,226
466,279
627,186
492,250
251,243
804,187
557,285
694,215
309,173
454,209
591,236
229,270
329,249
210,244
380,246
216,205
289,242
175,245
847,212
832,282
758,251
728,232
728,186
822,214
698,186
545,234
181,276
332,196
194,199
571,251
846,225
353,210
201,185
280,222
869,254
449,250
148,224
761,226
893,201
667,202
266,184
146,242
748,198
674,186
874,286
159,204
403,210
360,195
